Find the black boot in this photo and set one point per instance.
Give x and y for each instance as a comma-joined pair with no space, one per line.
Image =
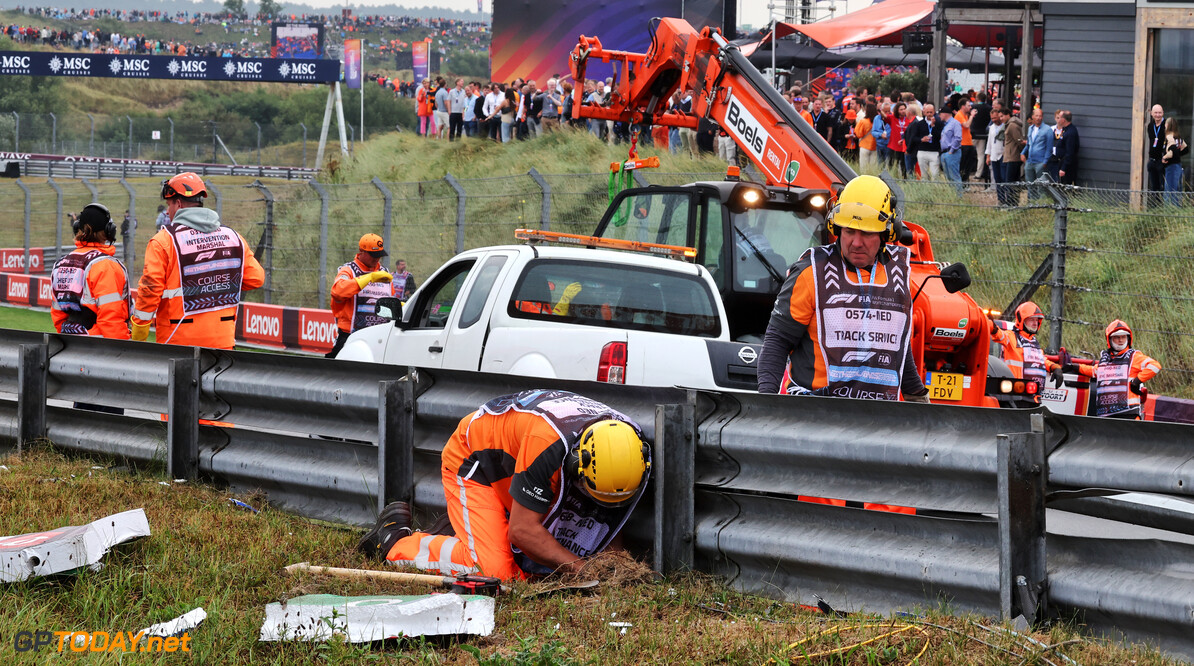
392,525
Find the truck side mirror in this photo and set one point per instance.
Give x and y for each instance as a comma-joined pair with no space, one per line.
388,307
955,277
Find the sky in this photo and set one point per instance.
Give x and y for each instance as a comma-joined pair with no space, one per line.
750,12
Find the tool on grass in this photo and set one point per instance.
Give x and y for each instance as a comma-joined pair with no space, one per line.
463,584
583,586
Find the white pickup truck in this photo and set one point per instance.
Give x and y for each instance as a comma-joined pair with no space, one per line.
569,313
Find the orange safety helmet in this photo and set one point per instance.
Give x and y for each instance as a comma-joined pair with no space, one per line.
1027,311
1118,326
187,185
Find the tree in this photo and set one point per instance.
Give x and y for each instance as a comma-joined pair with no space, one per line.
235,7
269,9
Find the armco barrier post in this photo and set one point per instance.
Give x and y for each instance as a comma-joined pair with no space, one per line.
1023,577
28,228
545,188
323,240
31,394
460,199
674,472
395,442
182,432
387,210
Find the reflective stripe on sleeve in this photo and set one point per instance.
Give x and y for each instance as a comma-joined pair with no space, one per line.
109,298
172,293
141,314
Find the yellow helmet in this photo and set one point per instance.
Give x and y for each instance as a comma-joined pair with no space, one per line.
865,204
611,462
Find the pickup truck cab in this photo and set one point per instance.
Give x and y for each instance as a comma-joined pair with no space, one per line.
569,313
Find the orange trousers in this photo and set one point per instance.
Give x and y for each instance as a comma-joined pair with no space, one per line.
482,541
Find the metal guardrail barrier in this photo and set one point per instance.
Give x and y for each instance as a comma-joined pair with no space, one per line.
132,169
337,440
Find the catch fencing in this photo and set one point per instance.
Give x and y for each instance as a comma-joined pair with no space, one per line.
1085,256
337,440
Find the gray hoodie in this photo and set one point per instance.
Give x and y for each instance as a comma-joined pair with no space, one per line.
199,219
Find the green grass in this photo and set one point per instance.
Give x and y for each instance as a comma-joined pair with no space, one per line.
205,552
25,319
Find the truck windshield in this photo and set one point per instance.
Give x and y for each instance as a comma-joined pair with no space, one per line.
617,296
770,238
651,217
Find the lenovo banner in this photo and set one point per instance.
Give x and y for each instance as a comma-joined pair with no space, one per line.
276,70
420,64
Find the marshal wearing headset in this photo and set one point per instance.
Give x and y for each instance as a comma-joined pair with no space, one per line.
90,285
195,272
842,322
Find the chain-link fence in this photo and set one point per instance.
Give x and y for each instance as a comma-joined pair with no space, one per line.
1123,254
220,141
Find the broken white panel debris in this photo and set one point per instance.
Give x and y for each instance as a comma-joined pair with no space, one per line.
67,548
179,625
317,617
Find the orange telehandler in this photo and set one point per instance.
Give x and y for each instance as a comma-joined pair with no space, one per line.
747,234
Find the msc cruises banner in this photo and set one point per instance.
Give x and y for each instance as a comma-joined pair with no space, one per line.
276,70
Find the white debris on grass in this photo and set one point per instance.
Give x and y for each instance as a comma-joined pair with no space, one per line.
179,625
318,617
67,548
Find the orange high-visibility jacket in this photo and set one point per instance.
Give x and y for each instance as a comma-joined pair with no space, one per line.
107,292
345,290
159,293
1144,368
1013,353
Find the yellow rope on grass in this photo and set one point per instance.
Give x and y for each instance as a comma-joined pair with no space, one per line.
898,629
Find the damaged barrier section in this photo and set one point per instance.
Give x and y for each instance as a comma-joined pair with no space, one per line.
875,506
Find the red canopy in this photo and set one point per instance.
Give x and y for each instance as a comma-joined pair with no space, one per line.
882,23
864,25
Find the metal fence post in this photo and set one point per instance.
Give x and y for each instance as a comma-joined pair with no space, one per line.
639,179
545,188
323,240
265,246
57,218
387,210
1023,577
31,394
171,120
16,134
28,222
460,199
130,242
217,195
395,442
182,431
53,133
91,141
1057,297
674,467
90,188
304,144
258,142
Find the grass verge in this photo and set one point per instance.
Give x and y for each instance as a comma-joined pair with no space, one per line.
206,552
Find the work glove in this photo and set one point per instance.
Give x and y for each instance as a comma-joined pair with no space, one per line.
376,276
1136,387
140,332
923,398
570,292
1058,377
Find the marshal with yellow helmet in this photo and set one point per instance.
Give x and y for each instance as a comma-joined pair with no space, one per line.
534,482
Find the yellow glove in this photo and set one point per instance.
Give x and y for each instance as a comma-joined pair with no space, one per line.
375,276
561,308
140,332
